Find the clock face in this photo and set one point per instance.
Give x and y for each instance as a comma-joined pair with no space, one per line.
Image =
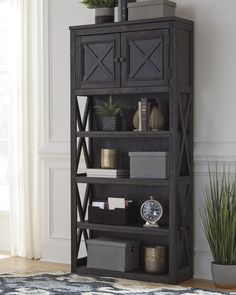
151,210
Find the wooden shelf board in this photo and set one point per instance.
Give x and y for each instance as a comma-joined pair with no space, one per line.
124,134
128,181
124,229
133,275
129,90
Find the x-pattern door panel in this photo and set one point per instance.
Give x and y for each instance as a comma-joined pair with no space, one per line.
97,64
147,58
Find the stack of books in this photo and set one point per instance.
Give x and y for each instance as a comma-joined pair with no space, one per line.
108,173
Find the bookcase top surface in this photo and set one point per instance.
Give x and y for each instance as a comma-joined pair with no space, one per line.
163,19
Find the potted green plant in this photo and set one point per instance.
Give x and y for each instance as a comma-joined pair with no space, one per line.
104,9
219,224
110,113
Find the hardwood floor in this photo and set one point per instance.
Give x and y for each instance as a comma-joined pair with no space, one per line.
28,266
22,265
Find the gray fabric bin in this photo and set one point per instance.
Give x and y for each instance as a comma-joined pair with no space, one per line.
151,9
109,254
149,165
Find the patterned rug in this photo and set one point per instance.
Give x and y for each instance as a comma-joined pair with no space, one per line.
65,283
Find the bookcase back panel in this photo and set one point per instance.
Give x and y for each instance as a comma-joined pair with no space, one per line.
138,194
124,146
130,106
145,240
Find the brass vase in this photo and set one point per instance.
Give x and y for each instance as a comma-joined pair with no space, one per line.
109,158
155,260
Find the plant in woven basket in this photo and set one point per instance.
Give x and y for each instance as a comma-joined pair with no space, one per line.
110,109
219,224
110,113
100,3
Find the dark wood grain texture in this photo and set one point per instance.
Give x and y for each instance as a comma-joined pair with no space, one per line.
131,60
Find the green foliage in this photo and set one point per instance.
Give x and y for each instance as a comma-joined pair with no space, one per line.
110,109
219,216
100,3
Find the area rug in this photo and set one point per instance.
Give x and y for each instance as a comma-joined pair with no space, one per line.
65,283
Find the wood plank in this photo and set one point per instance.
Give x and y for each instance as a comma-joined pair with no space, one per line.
131,90
162,230
118,24
123,134
134,275
128,181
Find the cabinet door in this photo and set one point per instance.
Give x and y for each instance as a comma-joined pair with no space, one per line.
97,63
145,57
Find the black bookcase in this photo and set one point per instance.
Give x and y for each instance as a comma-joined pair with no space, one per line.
131,60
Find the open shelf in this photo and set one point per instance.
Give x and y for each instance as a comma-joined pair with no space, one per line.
124,134
133,275
81,178
162,230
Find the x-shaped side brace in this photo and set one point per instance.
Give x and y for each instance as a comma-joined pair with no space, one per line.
184,236
184,143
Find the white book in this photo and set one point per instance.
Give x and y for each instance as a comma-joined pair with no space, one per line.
107,172
108,176
103,174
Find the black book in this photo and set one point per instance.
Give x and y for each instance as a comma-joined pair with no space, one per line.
123,9
144,114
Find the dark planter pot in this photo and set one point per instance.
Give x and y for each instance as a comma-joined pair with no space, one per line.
111,123
104,15
224,276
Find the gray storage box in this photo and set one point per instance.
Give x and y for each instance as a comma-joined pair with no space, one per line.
149,165
109,254
151,9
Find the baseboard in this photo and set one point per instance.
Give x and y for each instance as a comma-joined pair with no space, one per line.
5,246
58,251
202,264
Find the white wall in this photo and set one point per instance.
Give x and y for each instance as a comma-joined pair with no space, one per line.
4,231
214,98
214,108
58,16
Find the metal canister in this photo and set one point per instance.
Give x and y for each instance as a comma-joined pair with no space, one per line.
155,260
109,158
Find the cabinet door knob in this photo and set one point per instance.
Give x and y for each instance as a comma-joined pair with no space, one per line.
122,59
116,59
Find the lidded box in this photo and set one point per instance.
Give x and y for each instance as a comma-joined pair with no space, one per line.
147,9
111,254
149,165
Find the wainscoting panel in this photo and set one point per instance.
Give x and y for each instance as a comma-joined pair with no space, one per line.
55,152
